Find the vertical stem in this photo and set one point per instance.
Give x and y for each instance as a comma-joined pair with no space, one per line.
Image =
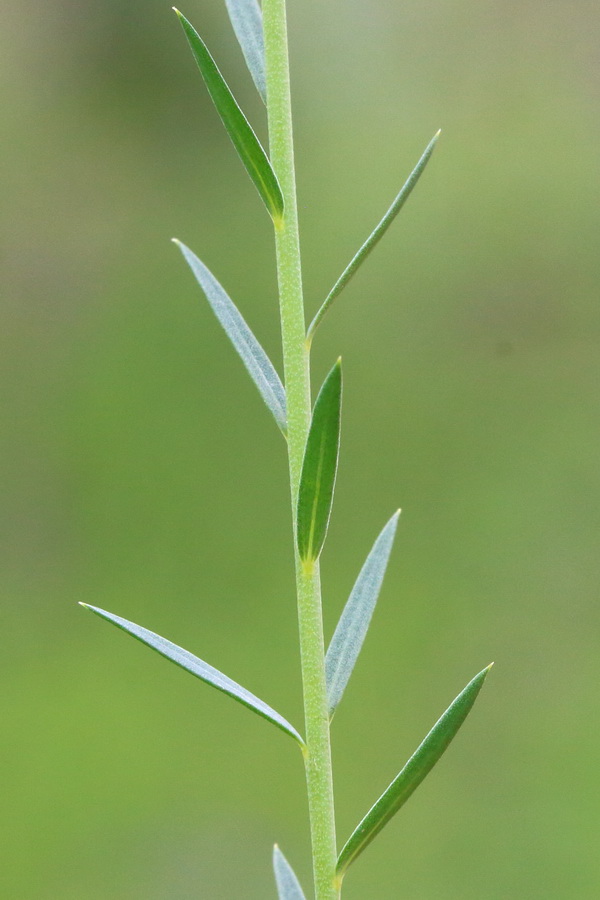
297,385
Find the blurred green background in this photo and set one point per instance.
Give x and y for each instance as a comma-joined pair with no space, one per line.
142,473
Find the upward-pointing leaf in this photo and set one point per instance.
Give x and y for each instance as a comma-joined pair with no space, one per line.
246,18
356,617
252,354
418,766
288,886
374,237
319,468
238,128
199,668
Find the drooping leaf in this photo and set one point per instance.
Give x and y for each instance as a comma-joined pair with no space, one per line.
246,18
288,886
374,238
319,467
199,668
252,354
356,617
238,128
418,766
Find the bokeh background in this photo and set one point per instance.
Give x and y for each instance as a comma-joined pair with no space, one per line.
141,472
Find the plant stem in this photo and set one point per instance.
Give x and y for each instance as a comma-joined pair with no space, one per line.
297,385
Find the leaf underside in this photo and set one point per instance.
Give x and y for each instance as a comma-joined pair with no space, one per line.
253,356
354,622
418,766
288,886
238,128
374,237
319,467
199,668
246,18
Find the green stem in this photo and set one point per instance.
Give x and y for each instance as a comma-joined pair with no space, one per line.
297,384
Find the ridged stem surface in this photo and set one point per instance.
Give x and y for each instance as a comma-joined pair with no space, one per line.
297,386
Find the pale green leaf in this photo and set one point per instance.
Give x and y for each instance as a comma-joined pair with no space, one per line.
355,619
238,128
418,766
199,668
319,467
253,356
374,238
288,886
246,18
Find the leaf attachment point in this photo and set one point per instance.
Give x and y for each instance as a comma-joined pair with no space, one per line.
199,668
418,766
288,886
246,18
319,467
253,356
374,238
354,622
238,128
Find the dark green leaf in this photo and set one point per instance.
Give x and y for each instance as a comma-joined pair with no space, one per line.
252,354
246,18
374,238
413,773
319,468
199,668
238,128
356,617
288,886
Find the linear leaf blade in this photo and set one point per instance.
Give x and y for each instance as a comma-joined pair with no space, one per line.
416,769
288,886
246,18
199,668
238,128
319,467
356,617
253,356
374,237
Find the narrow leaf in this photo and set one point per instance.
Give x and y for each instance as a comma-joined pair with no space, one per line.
251,353
288,886
319,467
413,773
355,619
246,18
238,128
200,669
374,238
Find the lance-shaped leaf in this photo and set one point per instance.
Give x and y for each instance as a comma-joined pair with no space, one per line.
418,766
199,668
355,619
374,238
252,354
288,886
246,18
238,128
319,467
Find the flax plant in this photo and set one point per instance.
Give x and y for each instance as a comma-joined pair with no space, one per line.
312,440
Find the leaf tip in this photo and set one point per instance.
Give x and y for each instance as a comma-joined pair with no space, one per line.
336,370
